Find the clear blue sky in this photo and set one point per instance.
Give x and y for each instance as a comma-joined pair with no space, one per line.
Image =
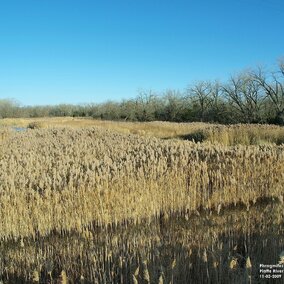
67,51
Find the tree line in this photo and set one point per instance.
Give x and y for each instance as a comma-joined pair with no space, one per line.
252,96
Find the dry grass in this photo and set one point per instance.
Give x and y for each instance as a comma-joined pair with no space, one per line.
85,176
225,248
240,134
67,179
156,128
4,133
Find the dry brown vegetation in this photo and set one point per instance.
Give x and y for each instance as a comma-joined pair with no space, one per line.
65,185
4,133
70,178
239,134
244,134
155,128
224,248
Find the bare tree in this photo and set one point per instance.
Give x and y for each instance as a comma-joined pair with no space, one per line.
281,66
218,104
245,96
128,110
201,95
272,84
173,105
146,104
9,108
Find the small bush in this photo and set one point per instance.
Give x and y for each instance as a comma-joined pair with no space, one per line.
197,136
35,125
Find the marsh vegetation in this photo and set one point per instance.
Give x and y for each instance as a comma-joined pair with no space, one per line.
207,248
116,202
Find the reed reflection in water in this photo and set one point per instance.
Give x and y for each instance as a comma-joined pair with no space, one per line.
203,248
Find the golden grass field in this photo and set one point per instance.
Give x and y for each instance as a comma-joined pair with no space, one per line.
91,201
69,174
245,134
157,129
206,248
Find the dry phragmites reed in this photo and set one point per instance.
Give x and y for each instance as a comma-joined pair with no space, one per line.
66,179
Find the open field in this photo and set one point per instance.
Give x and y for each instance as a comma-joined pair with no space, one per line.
157,129
244,134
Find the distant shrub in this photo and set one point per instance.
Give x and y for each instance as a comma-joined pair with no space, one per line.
35,125
280,139
197,136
